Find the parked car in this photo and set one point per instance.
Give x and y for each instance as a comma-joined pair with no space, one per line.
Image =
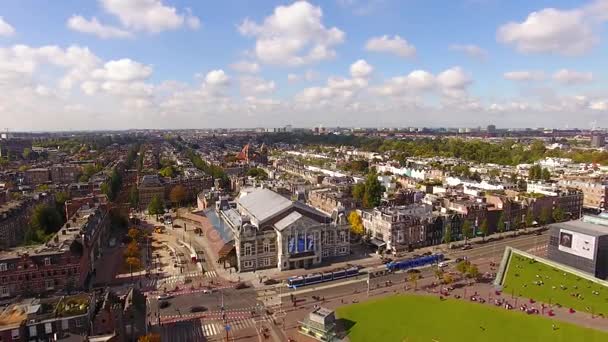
164,304
198,309
466,247
442,264
459,259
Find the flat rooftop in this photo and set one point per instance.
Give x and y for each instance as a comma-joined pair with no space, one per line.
582,227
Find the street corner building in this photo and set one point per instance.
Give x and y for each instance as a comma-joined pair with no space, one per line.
581,244
273,231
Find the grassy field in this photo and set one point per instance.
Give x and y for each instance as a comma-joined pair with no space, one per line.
426,318
558,286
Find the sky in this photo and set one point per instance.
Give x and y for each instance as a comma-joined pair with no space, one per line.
120,64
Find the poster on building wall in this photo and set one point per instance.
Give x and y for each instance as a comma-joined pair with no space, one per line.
579,244
310,242
292,245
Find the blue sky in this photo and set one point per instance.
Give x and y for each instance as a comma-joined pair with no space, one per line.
170,63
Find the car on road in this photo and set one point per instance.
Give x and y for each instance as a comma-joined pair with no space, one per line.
270,281
459,259
241,285
466,247
164,304
164,297
538,232
442,264
198,308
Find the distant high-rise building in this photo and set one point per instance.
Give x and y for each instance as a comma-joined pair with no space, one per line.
598,140
491,129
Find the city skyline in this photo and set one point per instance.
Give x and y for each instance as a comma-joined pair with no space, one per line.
113,64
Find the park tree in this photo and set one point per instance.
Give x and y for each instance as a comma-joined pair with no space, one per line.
167,171
529,218
156,207
46,219
356,224
26,153
447,278
373,191
484,228
500,226
358,191
439,273
545,216
413,278
516,222
462,267
447,234
558,214
178,194
467,230
472,272
134,196
545,175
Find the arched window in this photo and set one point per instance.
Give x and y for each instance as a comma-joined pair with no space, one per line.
266,245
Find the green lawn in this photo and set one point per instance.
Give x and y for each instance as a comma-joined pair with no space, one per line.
521,276
426,318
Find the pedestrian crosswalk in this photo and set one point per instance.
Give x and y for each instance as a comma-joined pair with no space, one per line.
210,274
218,327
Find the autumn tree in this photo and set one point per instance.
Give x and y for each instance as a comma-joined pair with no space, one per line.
134,234
178,194
149,338
132,250
356,224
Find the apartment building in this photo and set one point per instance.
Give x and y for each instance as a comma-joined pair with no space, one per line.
150,186
36,176
64,174
65,262
15,216
595,193
328,200
398,228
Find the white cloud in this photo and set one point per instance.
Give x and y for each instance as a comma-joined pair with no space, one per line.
149,15
217,78
293,35
361,69
599,105
256,85
570,77
395,45
550,30
524,75
93,26
246,67
123,70
454,79
292,78
6,30
470,50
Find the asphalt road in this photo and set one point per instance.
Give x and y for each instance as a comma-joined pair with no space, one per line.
233,299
